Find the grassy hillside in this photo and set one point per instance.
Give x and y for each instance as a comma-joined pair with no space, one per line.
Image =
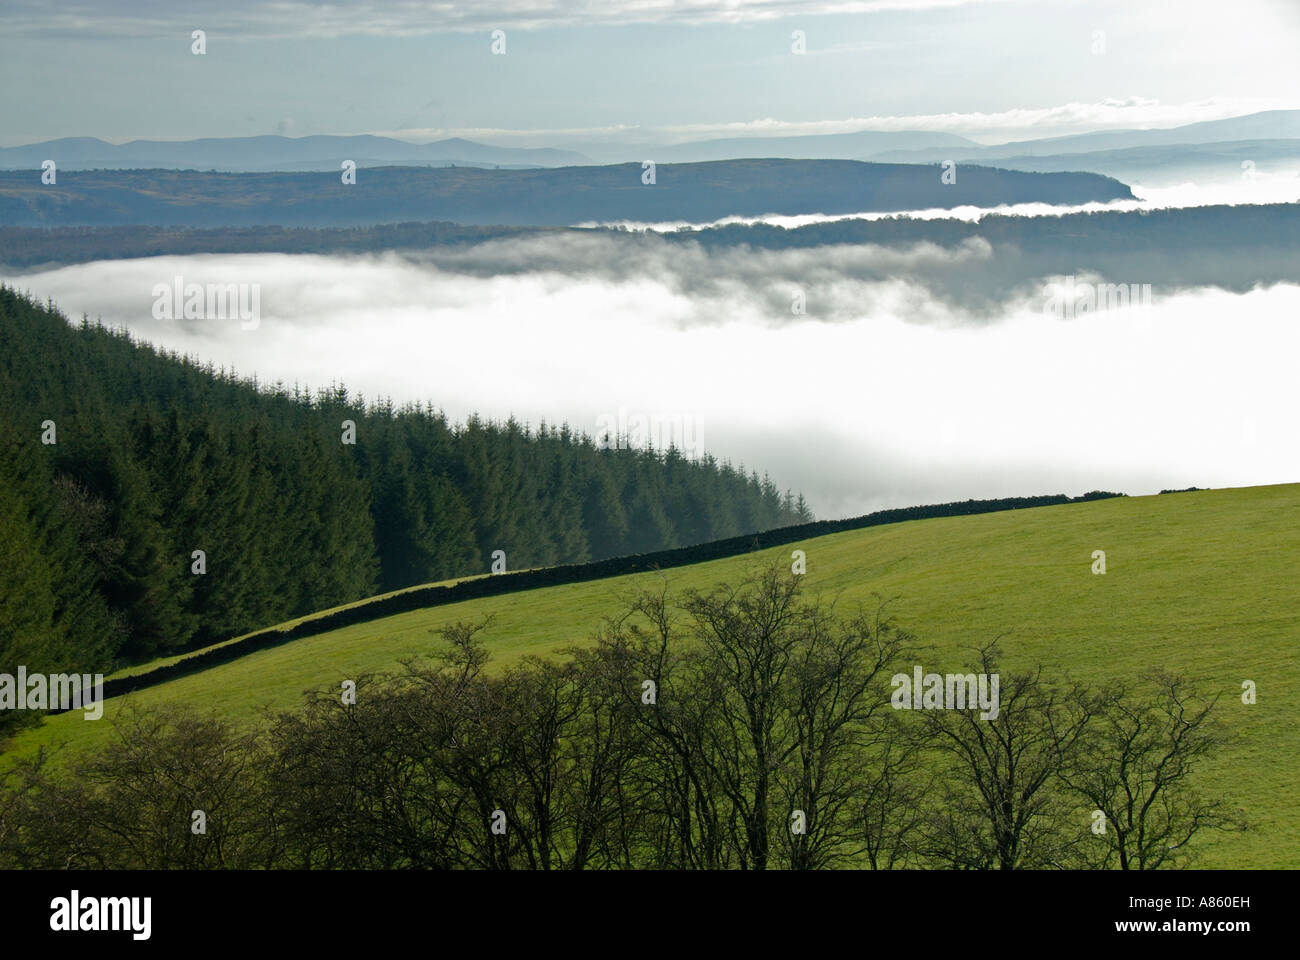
1202,583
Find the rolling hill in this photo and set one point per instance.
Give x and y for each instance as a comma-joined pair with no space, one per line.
1199,582
691,192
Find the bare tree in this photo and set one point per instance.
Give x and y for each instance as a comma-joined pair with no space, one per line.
892,799
769,719
1002,806
844,741
176,790
1136,771
686,820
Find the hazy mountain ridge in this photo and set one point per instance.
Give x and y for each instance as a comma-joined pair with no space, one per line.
325,152
830,146
1268,125
268,153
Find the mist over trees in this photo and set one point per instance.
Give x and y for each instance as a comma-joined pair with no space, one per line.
977,268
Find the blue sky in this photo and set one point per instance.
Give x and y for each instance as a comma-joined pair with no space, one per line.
652,71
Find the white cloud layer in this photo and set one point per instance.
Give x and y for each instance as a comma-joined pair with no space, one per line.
873,410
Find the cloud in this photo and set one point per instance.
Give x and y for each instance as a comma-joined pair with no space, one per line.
291,18
836,283
883,394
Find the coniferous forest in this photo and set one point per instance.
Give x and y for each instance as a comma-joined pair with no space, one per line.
118,462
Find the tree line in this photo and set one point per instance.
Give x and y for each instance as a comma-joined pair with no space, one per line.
119,462
1057,243
747,726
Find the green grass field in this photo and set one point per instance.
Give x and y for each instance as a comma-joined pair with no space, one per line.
1202,583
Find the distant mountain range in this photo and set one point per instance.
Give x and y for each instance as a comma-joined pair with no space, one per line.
691,192
291,154
326,153
1268,125
271,153
831,146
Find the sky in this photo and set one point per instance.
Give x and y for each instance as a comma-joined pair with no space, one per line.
649,71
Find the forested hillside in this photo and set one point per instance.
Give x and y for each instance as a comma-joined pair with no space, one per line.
693,192
155,457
